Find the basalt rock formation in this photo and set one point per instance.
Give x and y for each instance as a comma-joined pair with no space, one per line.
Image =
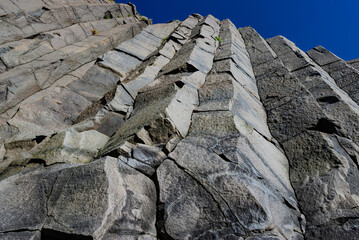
112,127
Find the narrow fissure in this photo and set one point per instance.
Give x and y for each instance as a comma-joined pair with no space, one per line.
50,234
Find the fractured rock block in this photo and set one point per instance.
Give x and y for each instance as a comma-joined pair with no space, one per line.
101,199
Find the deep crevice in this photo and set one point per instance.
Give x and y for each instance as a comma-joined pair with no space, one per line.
328,99
160,213
179,84
288,204
49,234
224,157
209,111
40,138
37,161
188,68
20,230
114,153
326,126
108,13
129,54
136,139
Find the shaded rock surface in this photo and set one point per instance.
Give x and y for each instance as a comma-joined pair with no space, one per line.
323,169
112,127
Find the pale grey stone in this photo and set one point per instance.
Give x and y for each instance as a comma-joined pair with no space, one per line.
50,114
112,183
122,100
24,235
150,155
119,62
95,83
95,193
123,33
239,75
72,147
9,32
67,36
138,165
192,55
24,51
213,172
170,48
150,113
188,209
147,41
16,85
149,75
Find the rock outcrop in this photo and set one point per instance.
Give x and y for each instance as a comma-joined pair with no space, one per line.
112,127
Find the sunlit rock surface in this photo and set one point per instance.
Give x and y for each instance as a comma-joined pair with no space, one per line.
112,127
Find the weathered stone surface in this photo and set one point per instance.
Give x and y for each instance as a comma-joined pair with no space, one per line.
336,104
95,83
49,114
189,209
220,161
345,76
323,169
354,63
107,197
113,128
197,53
72,147
24,51
228,187
171,105
142,45
25,235
325,178
128,90
119,62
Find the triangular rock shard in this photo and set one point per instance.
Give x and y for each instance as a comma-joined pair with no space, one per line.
112,127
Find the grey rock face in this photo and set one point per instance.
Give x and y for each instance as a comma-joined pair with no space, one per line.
354,63
345,76
207,166
114,128
309,130
100,199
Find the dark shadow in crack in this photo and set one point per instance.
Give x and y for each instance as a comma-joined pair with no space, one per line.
49,234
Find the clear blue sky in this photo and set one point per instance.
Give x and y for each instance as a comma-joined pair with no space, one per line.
334,24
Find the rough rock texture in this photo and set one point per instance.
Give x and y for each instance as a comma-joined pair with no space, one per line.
302,115
354,63
114,128
345,75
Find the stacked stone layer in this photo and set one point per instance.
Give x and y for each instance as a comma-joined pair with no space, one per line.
114,128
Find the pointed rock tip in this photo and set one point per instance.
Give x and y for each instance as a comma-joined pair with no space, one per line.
247,28
319,48
210,16
281,39
228,21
